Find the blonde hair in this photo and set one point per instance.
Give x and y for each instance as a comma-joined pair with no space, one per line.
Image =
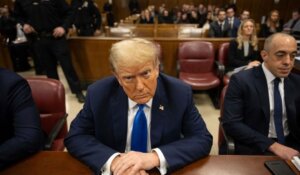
253,38
133,51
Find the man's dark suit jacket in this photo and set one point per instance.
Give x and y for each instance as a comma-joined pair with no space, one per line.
236,24
215,30
177,129
236,56
247,112
20,132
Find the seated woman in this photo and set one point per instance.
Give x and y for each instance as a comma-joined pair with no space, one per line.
146,17
243,51
272,25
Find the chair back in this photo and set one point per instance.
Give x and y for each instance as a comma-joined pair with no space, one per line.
49,97
222,98
223,53
196,57
223,59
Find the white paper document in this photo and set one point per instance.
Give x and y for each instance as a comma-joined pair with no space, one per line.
296,162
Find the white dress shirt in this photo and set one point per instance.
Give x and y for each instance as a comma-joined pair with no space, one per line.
246,48
270,81
230,21
132,110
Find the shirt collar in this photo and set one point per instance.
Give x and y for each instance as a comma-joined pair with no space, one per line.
269,76
132,104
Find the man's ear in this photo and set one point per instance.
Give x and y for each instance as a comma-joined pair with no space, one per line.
264,54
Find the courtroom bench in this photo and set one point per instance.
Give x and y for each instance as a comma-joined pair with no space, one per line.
153,30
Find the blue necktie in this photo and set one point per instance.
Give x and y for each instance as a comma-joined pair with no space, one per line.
139,131
278,112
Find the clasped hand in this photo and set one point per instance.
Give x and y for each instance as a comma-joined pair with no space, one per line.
134,163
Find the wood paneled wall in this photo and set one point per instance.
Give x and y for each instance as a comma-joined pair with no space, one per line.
258,8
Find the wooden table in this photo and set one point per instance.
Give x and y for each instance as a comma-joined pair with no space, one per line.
48,163
230,165
61,163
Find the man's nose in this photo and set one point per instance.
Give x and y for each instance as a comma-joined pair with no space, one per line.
139,84
288,59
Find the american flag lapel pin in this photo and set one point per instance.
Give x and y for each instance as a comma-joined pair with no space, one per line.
161,107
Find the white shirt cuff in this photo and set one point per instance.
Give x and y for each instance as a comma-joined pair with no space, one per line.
162,161
105,170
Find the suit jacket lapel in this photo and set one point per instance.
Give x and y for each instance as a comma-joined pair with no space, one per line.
119,111
158,115
262,90
289,98
291,101
250,49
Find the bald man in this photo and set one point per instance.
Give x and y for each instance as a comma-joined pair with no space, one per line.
261,107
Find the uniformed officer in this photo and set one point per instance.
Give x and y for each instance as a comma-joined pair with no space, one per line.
48,21
87,18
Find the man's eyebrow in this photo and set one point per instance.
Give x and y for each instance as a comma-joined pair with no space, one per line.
126,76
144,71
282,51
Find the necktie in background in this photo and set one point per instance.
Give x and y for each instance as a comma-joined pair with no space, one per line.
231,23
222,26
278,112
139,131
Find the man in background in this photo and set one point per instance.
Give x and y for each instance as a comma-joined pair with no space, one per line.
293,25
232,21
220,27
87,18
47,22
245,15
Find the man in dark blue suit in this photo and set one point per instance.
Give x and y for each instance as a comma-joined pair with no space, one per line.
20,131
251,114
100,136
233,22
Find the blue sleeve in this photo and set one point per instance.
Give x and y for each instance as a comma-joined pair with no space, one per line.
27,137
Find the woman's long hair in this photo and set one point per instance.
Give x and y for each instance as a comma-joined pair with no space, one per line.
273,24
253,38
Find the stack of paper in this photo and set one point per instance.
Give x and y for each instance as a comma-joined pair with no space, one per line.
296,162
